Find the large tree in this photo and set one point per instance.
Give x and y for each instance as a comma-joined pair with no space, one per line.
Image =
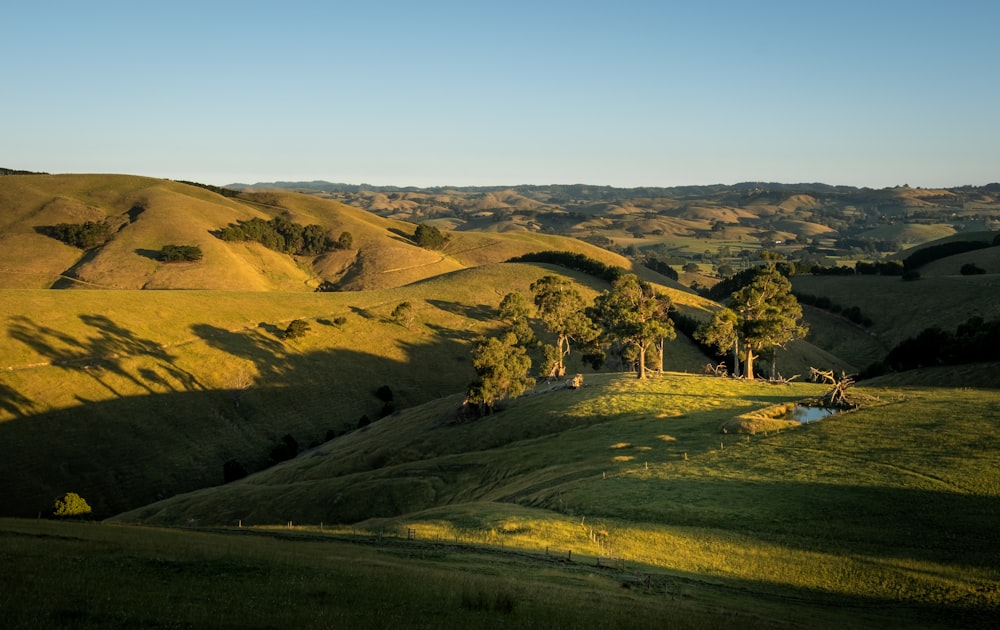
633,314
561,309
768,315
502,367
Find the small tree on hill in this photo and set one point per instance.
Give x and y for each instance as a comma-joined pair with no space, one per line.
296,329
429,237
71,505
403,314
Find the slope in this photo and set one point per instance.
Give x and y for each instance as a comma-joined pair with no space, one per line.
845,512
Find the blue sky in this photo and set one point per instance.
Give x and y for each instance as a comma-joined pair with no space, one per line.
871,93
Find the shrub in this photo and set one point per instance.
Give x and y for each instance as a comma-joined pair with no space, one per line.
429,237
296,329
87,235
969,269
384,393
71,505
284,450
180,253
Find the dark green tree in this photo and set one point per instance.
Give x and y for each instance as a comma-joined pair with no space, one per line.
297,329
345,240
502,368
403,314
514,312
768,315
561,308
722,333
635,316
429,237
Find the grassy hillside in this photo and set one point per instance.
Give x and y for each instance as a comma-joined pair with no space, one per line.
150,392
878,516
150,213
899,309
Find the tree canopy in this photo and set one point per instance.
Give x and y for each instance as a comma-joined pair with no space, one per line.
635,316
767,316
561,309
502,367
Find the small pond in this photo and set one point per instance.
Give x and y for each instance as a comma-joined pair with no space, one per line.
803,414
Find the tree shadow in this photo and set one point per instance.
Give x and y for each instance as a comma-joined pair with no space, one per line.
103,353
481,312
15,403
151,254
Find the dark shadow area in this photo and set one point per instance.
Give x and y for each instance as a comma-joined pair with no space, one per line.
14,403
151,254
480,312
128,451
367,314
400,235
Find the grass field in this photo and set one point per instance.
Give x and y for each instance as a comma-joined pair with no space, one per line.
878,517
882,517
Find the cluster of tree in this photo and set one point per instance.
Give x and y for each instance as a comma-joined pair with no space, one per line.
631,320
86,235
283,235
661,267
975,341
71,505
429,237
573,261
853,313
760,317
219,190
180,253
931,253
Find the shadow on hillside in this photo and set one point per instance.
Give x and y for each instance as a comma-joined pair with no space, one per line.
480,312
151,254
103,353
15,403
160,431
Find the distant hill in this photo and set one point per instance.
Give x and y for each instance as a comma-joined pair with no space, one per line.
149,214
791,218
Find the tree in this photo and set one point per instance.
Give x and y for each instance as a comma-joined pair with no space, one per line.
767,313
502,368
403,314
429,237
71,505
722,333
561,309
180,253
635,316
514,311
345,240
296,329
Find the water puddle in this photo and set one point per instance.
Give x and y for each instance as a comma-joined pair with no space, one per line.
803,414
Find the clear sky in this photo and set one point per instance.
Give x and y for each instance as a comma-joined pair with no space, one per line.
623,93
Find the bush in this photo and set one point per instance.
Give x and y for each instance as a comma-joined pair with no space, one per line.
296,329
429,237
87,235
180,253
71,505
969,269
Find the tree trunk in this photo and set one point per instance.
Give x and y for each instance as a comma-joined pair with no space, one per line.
748,364
642,361
736,359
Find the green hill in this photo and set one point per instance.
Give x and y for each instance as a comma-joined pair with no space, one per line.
846,513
